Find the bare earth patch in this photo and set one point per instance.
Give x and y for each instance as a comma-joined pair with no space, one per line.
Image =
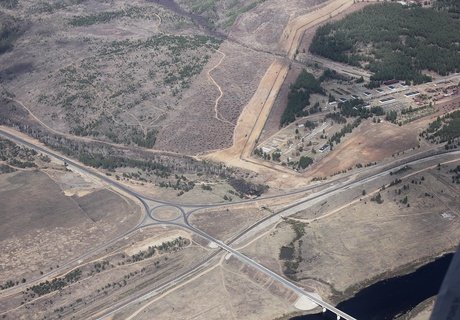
387,139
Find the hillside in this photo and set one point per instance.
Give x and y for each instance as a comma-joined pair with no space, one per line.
393,41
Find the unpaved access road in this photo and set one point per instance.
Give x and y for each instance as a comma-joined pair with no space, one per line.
255,113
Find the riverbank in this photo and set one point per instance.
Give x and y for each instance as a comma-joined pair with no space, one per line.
402,295
400,271
421,312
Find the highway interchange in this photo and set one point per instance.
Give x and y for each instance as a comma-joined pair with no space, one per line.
151,206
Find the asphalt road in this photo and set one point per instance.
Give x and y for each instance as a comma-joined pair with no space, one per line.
245,259
149,219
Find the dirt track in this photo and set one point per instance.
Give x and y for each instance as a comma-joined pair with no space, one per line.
252,119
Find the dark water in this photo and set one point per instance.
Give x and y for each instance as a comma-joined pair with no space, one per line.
388,298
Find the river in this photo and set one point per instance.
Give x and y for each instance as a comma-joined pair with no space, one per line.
391,297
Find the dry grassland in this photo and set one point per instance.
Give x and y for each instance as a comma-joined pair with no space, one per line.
225,292
224,224
115,274
387,139
350,245
42,227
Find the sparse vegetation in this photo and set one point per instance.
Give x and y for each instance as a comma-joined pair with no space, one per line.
104,17
348,128
16,156
233,14
219,14
9,4
122,93
8,284
455,175
377,198
10,29
181,184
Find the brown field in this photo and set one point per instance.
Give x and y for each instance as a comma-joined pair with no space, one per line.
224,292
207,118
262,28
117,87
390,238
108,276
114,78
387,139
43,228
208,79
226,223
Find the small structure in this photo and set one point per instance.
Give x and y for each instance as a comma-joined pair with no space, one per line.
412,93
267,149
388,82
325,148
387,100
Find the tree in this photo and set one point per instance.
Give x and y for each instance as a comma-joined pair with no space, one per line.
377,198
276,156
304,162
299,97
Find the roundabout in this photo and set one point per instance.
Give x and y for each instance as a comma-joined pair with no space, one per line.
166,213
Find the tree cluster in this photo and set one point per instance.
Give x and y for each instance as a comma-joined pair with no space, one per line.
299,97
56,283
304,162
404,41
348,128
246,187
355,108
444,129
167,246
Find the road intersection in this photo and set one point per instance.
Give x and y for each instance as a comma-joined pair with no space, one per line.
178,216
